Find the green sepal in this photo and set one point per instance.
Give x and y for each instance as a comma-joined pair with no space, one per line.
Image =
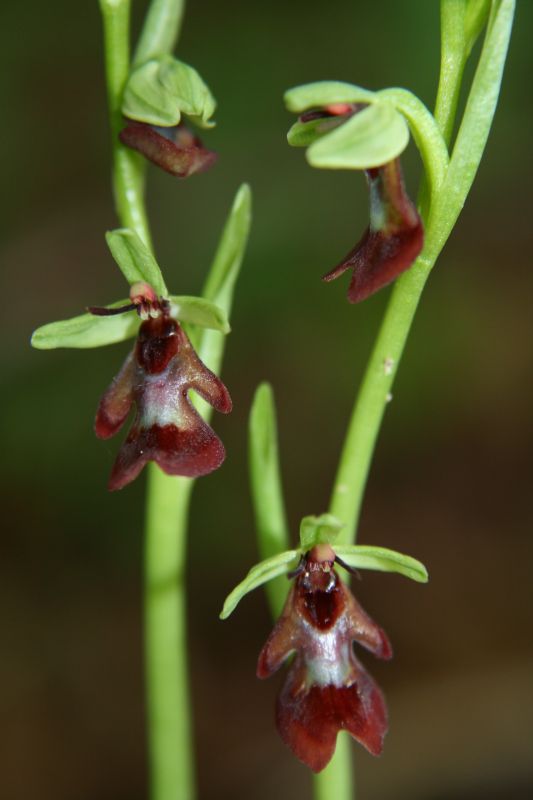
135,260
264,571
382,559
199,311
162,90
323,93
370,138
87,330
319,530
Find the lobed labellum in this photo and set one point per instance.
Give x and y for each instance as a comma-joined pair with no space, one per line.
392,241
157,376
174,149
327,689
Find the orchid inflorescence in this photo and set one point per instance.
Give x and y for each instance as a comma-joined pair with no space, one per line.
343,126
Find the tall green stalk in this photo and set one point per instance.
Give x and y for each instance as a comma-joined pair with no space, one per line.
170,740
461,22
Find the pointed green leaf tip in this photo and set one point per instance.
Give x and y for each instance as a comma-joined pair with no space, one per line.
318,530
162,90
135,260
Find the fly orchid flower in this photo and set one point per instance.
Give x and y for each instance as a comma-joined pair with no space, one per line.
157,376
160,370
327,689
348,127
157,97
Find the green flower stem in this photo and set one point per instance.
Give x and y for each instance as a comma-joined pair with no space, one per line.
336,781
128,168
169,718
373,396
446,206
160,30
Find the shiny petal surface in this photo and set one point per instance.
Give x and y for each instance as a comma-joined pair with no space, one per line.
116,402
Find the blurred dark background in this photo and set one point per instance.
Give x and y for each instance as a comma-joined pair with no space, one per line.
450,476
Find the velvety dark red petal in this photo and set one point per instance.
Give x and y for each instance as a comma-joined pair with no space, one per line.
378,259
190,452
177,153
309,718
116,402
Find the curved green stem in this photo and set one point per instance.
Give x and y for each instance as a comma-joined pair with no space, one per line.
128,168
374,393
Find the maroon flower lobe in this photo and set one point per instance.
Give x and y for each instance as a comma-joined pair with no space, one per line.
326,689
157,376
392,241
175,149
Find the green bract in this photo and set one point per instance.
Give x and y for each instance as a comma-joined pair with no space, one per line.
320,530
160,91
135,260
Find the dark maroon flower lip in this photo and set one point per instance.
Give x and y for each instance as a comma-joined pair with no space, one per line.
326,689
176,150
156,377
391,243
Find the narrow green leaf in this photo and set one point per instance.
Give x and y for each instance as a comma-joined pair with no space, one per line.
369,139
383,560
223,274
266,487
323,93
135,260
199,311
87,330
264,571
160,91
476,123
319,530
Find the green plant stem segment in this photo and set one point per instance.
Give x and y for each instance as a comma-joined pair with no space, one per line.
337,779
375,390
168,694
128,167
